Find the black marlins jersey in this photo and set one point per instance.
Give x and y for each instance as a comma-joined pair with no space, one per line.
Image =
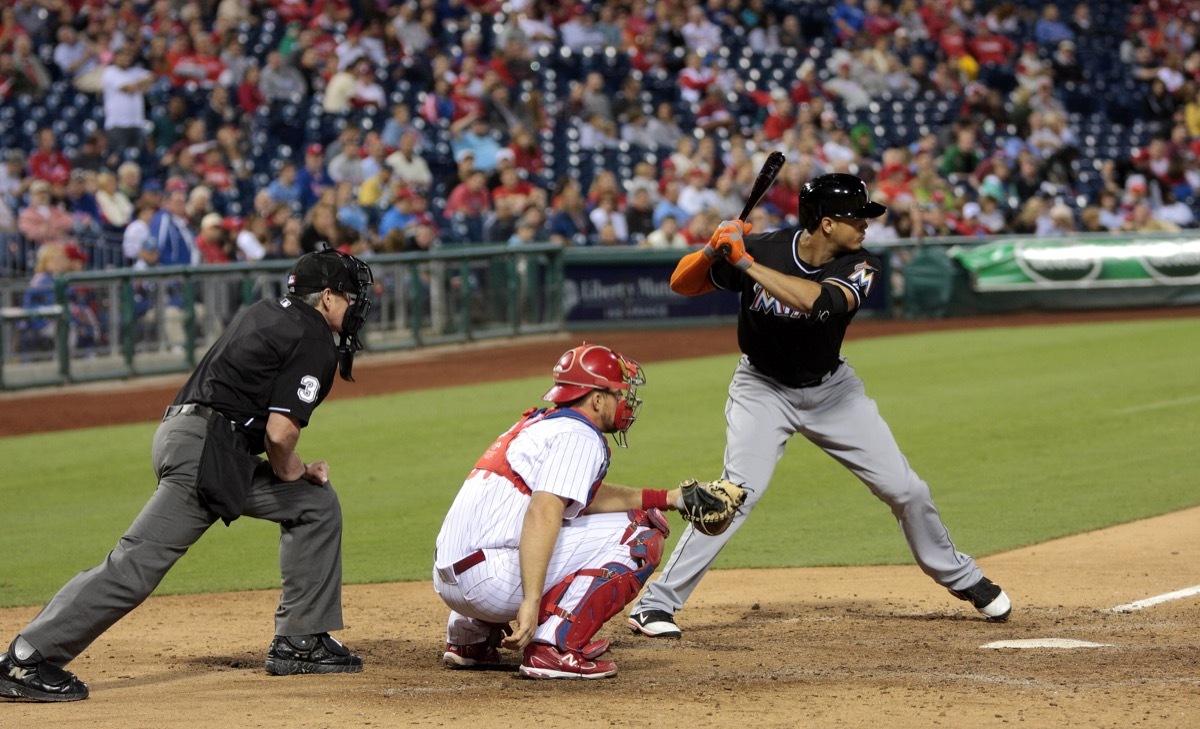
277,355
791,346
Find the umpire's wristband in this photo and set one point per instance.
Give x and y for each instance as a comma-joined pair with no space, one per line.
654,499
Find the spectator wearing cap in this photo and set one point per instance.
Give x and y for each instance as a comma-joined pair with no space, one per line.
313,179
696,195
44,221
212,242
124,86
847,89
967,223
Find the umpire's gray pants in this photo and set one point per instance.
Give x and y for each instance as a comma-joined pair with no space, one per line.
310,551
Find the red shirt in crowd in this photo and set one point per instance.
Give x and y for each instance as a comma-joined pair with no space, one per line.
51,166
991,49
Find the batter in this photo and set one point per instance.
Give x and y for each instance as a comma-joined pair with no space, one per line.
799,289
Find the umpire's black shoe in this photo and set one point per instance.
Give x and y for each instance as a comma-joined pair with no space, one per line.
655,624
37,680
319,653
988,599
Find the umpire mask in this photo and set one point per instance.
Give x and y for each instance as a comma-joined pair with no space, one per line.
345,274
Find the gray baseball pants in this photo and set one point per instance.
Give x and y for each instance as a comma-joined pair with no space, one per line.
761,416
310,551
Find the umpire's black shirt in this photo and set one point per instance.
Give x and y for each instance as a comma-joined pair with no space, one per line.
277,356
786,345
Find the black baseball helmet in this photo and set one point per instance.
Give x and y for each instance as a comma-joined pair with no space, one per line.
836,195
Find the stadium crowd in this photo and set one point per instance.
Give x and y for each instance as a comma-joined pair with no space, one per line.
161,132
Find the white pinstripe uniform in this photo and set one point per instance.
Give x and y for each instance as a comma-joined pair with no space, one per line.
559,452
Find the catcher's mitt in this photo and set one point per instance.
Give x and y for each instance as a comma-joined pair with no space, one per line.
710,506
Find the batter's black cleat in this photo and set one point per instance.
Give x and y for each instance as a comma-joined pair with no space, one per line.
321,653
988,599
654,624
36,680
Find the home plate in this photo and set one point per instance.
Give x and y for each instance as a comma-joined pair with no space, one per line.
1045,643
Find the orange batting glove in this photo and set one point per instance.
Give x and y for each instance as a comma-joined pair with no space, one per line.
729,228
728,243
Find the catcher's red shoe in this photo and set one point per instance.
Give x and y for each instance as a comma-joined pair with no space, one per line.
475,655
544,661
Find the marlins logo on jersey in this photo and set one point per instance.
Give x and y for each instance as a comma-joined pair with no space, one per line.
862,277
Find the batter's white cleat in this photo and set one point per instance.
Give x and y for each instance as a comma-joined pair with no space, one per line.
545,661
654,624
988,599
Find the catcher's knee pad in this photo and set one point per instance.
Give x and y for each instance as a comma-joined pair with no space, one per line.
613,586
646,536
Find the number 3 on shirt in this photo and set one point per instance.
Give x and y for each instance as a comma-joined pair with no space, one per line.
309,386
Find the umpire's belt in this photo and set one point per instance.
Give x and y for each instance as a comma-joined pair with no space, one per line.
201,411
468,562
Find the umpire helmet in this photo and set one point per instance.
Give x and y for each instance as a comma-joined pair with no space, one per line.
343,273
836,195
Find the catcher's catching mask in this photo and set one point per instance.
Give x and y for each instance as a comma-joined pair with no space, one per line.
594,367
344,274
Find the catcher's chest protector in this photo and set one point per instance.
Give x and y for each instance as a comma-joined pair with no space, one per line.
495,458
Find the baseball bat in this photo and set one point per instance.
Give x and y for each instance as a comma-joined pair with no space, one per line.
762,183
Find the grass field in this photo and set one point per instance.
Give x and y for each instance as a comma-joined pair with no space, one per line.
1024,435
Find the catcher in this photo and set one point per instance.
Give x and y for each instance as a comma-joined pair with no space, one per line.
538,539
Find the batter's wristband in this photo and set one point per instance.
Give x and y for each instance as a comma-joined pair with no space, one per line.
654,499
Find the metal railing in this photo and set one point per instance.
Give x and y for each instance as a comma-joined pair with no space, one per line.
119,323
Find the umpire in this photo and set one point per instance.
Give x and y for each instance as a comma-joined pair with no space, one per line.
254,390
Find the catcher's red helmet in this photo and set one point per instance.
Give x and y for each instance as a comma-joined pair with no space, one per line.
595,367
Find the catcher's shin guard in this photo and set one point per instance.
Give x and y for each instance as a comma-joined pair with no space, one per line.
613,586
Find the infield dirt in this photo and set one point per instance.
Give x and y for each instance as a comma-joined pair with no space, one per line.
826,647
